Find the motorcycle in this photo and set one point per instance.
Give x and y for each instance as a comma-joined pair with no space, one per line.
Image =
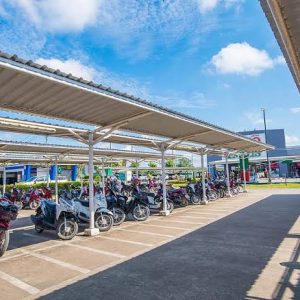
115,203
60,217
194,197
177,196
154,202
8,213
137,208
103,217
31,199
46,193
14,196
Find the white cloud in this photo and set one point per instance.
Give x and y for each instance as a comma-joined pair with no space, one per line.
292,140
295,110
241,58
233,3
207,5
256,118
120,82
196,101
60,15
72,66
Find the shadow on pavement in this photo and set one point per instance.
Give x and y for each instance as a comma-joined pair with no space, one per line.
219,261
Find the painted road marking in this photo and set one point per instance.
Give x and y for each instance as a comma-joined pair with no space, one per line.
146,232
58,262
186,222
21,228
162,226
96,250
19,283
125,241
194,217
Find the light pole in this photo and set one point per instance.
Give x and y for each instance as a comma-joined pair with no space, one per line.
266,138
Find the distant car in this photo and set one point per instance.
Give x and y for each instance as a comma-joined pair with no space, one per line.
42,179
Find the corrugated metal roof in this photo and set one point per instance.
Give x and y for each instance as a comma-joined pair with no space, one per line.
18,126
31,88
284,18
53,150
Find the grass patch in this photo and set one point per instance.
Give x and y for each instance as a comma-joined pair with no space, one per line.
290,185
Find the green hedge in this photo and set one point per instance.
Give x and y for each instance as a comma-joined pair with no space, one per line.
66,185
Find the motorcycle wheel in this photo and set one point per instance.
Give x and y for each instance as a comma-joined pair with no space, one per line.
19,204
195,199
38,229
66,232
119,216
4,241
170,206
183,202
213,196
33,204
141,212
104,222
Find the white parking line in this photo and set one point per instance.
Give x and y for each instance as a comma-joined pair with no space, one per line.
35,236
205,213
96,250
194,217
58,262
162,226
19,283
21,228
186,222
146,232
125,241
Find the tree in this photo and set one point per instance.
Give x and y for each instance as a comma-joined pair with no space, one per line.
152,164
185,162
170,163
134,164
116,164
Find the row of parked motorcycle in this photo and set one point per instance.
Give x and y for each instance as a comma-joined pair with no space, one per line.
118,202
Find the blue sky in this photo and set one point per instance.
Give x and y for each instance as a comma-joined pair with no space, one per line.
217,60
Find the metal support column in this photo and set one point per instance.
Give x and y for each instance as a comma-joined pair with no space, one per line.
204,200
92,230
103,177
244,173
48,176
4,179
227,175
56,182
164,212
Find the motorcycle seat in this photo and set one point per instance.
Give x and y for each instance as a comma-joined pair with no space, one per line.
83,202
51,208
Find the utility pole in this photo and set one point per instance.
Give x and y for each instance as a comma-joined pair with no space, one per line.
267,152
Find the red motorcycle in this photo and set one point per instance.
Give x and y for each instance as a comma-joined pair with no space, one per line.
8,212
31,199
46,193
15,196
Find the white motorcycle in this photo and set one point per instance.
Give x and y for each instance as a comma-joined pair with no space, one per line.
103,217
60,217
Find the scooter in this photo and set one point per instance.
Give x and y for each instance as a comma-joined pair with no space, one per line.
8,213
177,196
154,202
31,199
137,207
194,197
103,217
60,217
115,203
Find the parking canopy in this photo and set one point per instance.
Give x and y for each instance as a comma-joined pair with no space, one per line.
31,88
50,150
283,16
79,134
